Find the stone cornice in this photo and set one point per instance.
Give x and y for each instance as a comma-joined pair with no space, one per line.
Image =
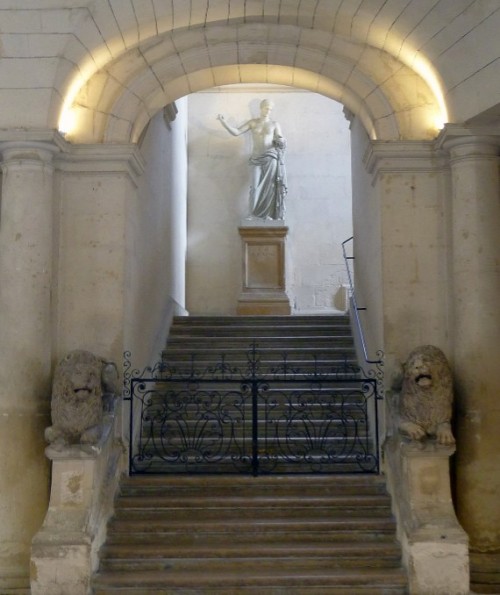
78,158
103,158
34,135
407,157
455,133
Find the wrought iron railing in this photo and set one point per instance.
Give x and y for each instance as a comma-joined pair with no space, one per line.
256,418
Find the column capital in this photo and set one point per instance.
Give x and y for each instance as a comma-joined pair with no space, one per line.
464,141
23,152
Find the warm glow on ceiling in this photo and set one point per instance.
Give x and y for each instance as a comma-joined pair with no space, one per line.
424,68
72,118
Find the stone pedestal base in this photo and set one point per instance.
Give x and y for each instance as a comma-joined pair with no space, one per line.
264,280
435,547
85,479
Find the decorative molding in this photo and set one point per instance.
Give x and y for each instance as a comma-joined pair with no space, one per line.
76,158
406,157
459,133
103,158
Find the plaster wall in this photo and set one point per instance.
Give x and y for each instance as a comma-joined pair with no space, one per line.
318,205
367,244
156,238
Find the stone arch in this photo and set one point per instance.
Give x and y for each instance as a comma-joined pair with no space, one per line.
115,103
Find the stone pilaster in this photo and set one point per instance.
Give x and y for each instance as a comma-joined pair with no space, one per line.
26,233
475,220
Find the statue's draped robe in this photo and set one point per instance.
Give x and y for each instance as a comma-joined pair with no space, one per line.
269,186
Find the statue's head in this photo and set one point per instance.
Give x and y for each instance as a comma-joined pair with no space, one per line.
266,106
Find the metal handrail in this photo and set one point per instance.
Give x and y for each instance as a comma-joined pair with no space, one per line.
355,308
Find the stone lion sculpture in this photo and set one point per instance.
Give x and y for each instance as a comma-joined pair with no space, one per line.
81,390
426,397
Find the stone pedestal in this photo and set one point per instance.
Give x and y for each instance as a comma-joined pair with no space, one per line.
435,547
85,479
264,280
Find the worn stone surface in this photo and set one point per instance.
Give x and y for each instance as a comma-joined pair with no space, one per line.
84,482
435,547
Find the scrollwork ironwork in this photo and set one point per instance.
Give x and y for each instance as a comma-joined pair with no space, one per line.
274,417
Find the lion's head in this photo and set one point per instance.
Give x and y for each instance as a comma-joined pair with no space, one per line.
426,395
77,404
427,369
78,377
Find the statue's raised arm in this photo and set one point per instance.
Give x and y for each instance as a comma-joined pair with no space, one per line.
268,187
231,129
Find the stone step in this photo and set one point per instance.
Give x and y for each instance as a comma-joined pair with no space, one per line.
238,515
246,331
388,550
255,321
287,562
303,352
195,503
249,590
282,342
218,538
265,579
230,467
231,525
316,485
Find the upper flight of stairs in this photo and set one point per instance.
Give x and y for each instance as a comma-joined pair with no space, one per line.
275,535
322,340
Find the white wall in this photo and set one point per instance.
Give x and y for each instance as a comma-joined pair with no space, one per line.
367,245
156,237
318,205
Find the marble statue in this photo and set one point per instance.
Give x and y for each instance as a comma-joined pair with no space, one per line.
82,389
268,185
426,397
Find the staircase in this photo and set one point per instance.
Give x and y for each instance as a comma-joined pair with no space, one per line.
228,535
326,338
288,530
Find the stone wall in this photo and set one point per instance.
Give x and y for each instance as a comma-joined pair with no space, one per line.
318,205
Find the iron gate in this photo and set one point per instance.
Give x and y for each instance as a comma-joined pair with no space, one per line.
257,418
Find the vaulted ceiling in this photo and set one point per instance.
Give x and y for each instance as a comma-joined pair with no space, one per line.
404,67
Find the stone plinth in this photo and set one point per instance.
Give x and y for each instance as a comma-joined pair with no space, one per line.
264,280
64,553
435,547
